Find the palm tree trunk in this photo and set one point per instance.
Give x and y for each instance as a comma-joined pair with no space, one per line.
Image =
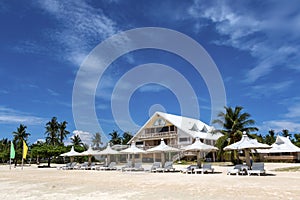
49,160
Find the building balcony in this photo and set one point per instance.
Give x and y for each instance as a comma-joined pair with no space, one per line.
159,135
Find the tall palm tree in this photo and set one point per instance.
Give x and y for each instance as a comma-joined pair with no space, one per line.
126,137
233,123
285,133
52,128
62,131
270,138
115,137
97,140
76,141
19,136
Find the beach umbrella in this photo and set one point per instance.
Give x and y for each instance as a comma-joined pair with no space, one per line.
108,151
199,147
162,148
71,154
133,150
247,144
90,153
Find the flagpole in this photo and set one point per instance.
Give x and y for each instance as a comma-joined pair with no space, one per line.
22,160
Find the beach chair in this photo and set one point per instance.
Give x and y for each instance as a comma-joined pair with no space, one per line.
238,169
205,169
127,166
257,168
155,165
111,166
190,169
137,167
81,166
71,166
64,167
168,167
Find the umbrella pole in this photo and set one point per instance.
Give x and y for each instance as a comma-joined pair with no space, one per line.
247,155
163,160
90,159
199,159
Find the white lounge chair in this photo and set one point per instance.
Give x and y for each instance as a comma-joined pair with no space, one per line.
190,169
238,169
155,166
111,166
257,168
167,168
64,167
205,169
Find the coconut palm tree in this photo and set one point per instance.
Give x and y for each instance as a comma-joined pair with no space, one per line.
52,129
19,136
270,138
126,137
76,141
115,137
62,131
233,123
97,140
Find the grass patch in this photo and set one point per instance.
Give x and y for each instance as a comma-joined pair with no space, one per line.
288,169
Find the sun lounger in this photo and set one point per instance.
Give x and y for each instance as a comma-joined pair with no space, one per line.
81,166
205,169
190,169
111,166
168,167
127,166
71,166
238,169
155,165
137,167
257,168
64,167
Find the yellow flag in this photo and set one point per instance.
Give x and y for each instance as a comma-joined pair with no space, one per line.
25,149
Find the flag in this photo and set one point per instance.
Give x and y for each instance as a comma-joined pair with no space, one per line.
12,150
25,149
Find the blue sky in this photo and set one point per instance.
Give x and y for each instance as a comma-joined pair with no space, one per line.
255,46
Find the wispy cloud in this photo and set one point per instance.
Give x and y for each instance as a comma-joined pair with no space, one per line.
11,116
151,88
279,125
268,33
80,28
268,89
52,92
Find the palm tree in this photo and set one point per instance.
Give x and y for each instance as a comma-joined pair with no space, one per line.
270,138
62,131
19,136
97,140
126,137
285,133
115,137
76,141
233,123
52,128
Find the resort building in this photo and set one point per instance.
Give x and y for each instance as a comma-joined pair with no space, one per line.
282,150
176,131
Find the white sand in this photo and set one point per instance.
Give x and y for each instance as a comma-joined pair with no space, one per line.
34,183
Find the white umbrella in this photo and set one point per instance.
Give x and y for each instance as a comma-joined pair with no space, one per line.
246,144
108,151
199,147
71,154
90,152
162,148
133,150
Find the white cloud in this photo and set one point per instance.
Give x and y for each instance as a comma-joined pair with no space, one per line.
11,116
293,111
269,33
80,28
151,88
279,125
86,137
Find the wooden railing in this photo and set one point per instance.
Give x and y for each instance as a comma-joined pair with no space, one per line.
290,157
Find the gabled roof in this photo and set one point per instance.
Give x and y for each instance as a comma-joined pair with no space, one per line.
281,145
193,127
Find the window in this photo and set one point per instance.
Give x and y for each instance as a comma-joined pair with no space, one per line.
186,139
159,122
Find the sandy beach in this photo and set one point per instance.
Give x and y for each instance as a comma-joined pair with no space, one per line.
37,183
